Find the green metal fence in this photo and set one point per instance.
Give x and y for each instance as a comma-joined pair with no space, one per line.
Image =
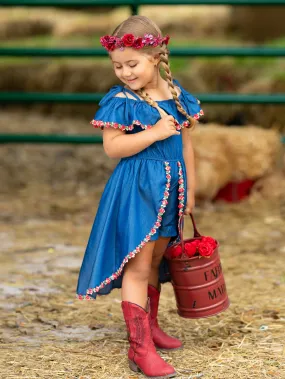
134,3
18,97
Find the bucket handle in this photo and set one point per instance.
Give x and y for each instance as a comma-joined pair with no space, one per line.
196,233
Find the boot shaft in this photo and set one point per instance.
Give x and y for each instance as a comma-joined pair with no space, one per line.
154,296
138,327
160,339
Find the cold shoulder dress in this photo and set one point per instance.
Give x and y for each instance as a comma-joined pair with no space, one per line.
145,196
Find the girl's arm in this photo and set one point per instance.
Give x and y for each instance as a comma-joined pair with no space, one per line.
118,144
188,155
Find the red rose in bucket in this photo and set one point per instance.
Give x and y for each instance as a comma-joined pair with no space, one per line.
176,252
206,250
204,247
191,248
210,241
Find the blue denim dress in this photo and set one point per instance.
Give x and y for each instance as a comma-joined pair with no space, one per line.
145,196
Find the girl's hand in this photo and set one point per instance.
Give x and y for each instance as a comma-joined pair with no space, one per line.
190,202
164,128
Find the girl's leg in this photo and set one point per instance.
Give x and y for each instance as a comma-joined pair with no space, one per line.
158,251
136,275
159,337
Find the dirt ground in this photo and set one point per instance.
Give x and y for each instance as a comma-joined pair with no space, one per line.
47,333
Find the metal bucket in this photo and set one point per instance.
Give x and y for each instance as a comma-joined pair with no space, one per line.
198,282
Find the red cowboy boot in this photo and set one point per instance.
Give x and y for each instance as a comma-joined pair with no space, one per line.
160,339
142,353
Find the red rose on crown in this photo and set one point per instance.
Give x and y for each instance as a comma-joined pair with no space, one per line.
166,39
204,247
109,42
119,43
128,39
138,44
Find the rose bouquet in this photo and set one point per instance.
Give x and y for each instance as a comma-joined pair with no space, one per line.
196,275
203,247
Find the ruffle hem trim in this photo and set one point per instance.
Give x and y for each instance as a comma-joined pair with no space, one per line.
115,125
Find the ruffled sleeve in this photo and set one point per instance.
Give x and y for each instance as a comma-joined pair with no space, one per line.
191,103
113,112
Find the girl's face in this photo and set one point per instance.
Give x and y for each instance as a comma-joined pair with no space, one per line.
134,68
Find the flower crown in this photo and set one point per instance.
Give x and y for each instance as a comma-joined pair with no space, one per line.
129,40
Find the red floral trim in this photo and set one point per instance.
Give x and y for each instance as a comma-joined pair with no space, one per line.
115,125
138,248
199,114
181,198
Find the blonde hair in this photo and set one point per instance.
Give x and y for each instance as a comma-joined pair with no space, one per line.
139,26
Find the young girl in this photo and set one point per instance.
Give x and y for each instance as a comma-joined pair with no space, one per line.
146,123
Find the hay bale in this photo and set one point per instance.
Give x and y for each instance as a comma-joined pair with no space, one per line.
270,186
62,168
84,24
65,168
73,77
224,76
21,23
225,154
269,115
24,28
230,76
252,151
82,28
195,21
213,168
258,24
